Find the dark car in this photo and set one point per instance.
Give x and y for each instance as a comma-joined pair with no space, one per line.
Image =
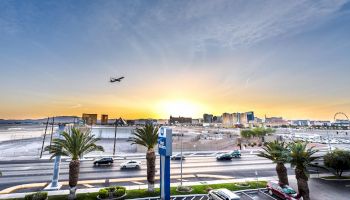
103,161
282,191
177,157
229,155
225,156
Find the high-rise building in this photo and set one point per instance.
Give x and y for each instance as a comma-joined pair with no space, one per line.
227,119
207,118
89,119
217,119
237,118
104,119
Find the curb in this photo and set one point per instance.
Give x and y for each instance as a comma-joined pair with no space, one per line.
131,187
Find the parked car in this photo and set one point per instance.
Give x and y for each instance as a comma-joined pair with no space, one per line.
131,164
177,157
222,194
103,161
282,191
229,155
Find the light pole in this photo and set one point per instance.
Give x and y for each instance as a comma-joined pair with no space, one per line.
329,144
115,135
181,152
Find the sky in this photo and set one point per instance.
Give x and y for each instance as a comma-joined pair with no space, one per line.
277,58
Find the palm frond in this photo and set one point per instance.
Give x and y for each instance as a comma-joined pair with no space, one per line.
146,136
74,145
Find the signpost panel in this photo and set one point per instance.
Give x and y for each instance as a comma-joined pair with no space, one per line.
165,151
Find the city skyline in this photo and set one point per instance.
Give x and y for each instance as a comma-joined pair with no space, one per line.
182,58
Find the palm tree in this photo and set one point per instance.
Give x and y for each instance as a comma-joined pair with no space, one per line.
279,154
148,137
300,158
74,145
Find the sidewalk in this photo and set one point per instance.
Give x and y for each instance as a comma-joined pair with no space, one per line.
144,186
137,187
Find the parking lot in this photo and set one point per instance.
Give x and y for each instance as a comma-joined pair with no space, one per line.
245,195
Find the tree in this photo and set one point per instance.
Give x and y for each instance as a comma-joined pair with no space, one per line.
148,137
300,158
74,145
338,160
258,132
279,154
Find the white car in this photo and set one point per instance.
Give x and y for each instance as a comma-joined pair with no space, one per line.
222,194
131,164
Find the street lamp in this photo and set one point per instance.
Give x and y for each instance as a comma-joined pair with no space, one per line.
181,152
115,135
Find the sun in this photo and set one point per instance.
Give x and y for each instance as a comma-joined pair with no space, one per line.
178,108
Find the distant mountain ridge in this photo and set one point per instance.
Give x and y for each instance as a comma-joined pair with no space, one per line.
58,119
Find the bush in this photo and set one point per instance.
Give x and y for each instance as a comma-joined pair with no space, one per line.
182,188
119,191
103,193
111,189
36,196
338,160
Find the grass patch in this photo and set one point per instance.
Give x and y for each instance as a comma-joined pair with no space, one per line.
197,189
336,177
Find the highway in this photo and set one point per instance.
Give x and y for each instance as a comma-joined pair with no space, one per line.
195,168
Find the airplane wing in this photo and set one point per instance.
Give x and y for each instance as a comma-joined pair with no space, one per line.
119,79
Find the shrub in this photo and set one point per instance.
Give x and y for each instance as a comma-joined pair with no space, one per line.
338,160
103,193
111,189
182,188
119,192
36,196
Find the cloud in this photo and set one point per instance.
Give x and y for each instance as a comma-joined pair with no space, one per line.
76,106
238,24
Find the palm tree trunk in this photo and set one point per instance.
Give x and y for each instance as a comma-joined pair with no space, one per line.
74,166
151,169
282,173
303,186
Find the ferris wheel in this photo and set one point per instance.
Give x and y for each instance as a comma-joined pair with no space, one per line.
340,113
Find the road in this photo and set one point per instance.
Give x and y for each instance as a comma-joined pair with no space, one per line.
195,168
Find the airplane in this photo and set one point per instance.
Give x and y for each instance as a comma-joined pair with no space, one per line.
112,80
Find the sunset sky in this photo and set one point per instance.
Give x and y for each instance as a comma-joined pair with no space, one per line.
279,58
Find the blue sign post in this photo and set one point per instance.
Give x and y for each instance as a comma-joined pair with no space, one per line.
165,141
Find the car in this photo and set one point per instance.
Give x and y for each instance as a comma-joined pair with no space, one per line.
104,161
282,191
229,155
224,156
131,164
222,194
177,157
235,153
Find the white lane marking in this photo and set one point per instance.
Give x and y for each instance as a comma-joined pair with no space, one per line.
137,182
88,185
